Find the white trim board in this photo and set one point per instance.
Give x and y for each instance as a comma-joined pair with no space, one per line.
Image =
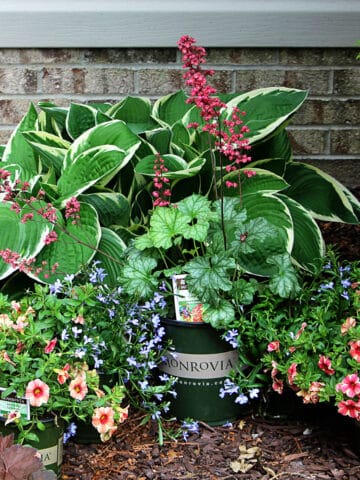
160,23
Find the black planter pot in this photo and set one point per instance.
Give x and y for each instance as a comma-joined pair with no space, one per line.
200,362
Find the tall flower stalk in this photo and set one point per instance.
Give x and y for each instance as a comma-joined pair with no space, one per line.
228,133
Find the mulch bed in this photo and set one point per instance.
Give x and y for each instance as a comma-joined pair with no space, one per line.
253,448
314,447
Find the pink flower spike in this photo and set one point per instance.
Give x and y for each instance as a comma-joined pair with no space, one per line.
37,392
50,238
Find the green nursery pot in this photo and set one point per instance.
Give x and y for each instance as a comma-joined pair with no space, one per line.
200,363
50,444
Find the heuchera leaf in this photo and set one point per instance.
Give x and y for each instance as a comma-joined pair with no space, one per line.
138,276
284,282
209,274
221,316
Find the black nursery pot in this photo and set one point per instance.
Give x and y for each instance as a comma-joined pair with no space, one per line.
200,362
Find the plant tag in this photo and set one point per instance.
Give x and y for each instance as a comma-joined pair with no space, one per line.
12,404
187,307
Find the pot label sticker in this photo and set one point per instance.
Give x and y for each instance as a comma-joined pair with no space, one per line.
187,307
15,406
200,366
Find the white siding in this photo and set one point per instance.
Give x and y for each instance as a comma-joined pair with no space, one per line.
159,23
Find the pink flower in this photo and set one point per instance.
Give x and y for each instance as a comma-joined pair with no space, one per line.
123,414
5,320
292,373
37,392
12,417
78,388
50,346
63,374
278,385
349,408
349,323
355,350
325,365
79,319
273,346
300,331
103,419
350,385
50,238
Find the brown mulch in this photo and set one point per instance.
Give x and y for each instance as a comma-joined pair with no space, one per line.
253,448
314,447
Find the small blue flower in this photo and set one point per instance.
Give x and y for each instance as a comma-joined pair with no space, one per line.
346,283
132,361
69,278
64,335
254,393
231,337
76,331
70,432
345,295
326,286
56,287
241,399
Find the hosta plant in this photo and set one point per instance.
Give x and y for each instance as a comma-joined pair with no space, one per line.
83,175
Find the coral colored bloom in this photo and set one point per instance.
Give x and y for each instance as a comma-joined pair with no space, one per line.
12,417
6,357
78,388
349,408
300,331
50,346
278,385
123,414
350,385
16,306
103,419
273,346
63,374
292,373
37,392
5,320
355,350
349,323
325,365
79,319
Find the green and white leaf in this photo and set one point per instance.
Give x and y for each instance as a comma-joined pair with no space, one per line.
267,109
109,253
177,167
309,245
17,149
112,208
75,246
82,117
321,194
26,239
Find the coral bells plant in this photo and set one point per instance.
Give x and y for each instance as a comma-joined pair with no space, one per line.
319,356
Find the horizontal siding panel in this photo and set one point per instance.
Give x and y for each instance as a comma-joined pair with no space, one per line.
159,23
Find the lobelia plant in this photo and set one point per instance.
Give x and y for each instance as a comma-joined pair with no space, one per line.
316,351
76,182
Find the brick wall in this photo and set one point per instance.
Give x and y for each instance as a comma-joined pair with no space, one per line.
325,132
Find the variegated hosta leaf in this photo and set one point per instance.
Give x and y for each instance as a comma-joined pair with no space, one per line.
112,208
109,253
115,133
88,169
321,194
277,147
263,181
17,150
81,117
136,112
278,218
169,109
177,167
75,246
26,239
309,245
267,109
52,149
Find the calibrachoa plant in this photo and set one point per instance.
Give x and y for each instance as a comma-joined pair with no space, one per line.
319,356
45,369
